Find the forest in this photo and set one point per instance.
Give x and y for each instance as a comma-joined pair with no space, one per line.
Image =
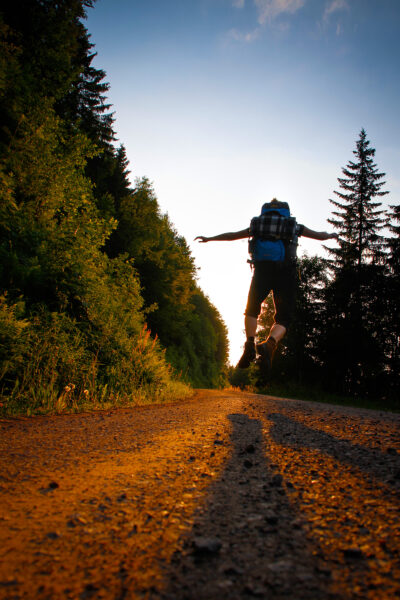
99,301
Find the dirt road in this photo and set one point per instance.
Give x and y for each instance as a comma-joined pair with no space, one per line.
228,496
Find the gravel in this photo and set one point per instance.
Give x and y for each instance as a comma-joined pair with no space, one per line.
228,495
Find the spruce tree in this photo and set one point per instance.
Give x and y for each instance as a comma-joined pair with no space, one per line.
359,218
354,348
85,105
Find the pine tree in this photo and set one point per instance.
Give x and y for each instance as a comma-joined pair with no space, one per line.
85,105
45,41
354,349
358,217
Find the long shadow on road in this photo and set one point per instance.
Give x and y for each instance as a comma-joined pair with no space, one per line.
247,541
383,466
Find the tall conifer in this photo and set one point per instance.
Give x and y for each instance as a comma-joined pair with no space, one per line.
358,217
353,345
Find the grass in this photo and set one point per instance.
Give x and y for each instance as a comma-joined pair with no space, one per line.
49,367
47,401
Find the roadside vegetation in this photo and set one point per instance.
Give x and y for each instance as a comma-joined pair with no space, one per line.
99,303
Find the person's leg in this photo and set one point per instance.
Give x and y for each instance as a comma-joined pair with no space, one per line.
284,292
259,289
250,326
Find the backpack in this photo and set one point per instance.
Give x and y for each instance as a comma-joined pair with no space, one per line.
273,234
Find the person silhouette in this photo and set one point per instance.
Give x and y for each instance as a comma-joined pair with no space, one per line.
273,238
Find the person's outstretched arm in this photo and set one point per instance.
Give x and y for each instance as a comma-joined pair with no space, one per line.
318,235
225,237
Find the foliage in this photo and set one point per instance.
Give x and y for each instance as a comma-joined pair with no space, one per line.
358,218
84,309
85,260
183,318
203,353
353,300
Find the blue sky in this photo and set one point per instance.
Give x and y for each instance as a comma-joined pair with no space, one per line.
224,104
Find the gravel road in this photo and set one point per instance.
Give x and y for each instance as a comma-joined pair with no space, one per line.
227,496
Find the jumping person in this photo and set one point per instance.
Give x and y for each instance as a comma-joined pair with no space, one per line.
273,238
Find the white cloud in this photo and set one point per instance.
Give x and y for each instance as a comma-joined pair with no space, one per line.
335,6
270,9
241,36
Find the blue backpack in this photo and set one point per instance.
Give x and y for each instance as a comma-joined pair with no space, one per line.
273,235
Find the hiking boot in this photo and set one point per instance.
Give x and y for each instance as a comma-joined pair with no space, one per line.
248,355
265,353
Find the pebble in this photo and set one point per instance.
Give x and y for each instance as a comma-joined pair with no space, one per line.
230,569
280,566
225,584
206,545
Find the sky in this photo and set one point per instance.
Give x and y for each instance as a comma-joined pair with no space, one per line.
225,104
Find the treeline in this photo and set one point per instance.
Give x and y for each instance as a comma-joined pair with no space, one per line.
98,293
345,338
